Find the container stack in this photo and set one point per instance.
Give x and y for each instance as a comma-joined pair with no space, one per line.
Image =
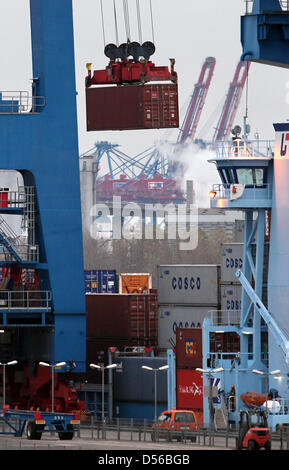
120,320
186,295
100,281
231,289
189,383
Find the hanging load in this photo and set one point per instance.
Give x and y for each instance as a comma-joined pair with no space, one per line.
129,100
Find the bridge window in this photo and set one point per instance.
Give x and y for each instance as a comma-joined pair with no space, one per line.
250,176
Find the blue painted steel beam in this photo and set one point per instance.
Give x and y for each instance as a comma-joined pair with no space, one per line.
48,160
265,34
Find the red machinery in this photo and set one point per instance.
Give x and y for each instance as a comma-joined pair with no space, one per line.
139,189
232,101
35,392
129,102
193,114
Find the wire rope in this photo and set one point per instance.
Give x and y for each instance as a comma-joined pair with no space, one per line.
102,20
139,21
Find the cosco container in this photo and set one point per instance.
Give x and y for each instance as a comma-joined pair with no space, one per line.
134,283
189,348
100,281
232,260
122,316
189,284
172,317
132,107
231,297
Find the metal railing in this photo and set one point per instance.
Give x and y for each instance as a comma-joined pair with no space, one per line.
20,102
262,191
244,149
27,253
225,317
12,199
25,300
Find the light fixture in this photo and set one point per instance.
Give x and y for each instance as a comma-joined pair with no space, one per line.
147,367
275,372
258,372
219,331
164,367
212,194
94,366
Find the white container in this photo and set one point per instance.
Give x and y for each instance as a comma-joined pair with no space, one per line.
172,316
190,284
232,260
231,297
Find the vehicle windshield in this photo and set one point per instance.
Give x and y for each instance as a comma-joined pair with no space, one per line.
164,418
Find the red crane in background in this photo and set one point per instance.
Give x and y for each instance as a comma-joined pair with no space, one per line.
232,101
193,113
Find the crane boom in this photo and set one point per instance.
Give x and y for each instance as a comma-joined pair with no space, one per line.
281,339
193,113
232,101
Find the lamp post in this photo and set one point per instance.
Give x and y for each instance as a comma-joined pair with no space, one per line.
52,366
155,383
102,368
209,374
266,375
3,364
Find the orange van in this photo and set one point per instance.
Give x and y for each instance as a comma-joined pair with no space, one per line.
176,420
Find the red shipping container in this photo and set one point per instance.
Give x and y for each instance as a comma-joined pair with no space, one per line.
189,390
122,316
189,348
132,107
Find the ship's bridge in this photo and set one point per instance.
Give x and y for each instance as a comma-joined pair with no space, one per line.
245,169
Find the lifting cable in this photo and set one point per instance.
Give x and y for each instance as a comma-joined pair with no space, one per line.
139,21
247,93
115,23
152,22
102,21
126,19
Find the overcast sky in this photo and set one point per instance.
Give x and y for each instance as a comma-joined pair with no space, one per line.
187,30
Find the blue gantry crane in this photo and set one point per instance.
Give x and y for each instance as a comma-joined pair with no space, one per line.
255,180
49,202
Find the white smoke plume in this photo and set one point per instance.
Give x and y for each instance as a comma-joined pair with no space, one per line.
193,165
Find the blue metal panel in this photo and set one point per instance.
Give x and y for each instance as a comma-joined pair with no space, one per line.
48,160
265,34
136,384
137,410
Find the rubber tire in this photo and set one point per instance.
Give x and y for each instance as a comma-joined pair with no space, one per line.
267,446
252,445
31,431
66,435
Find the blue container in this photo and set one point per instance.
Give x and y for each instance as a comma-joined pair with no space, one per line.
138,410
100,281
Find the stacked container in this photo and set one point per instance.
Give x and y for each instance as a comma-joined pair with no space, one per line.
189,383
232,260
134,283
120,320
186,294
100,281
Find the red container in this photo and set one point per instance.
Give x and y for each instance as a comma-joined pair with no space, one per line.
122,316
131,107
189,390
189,348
